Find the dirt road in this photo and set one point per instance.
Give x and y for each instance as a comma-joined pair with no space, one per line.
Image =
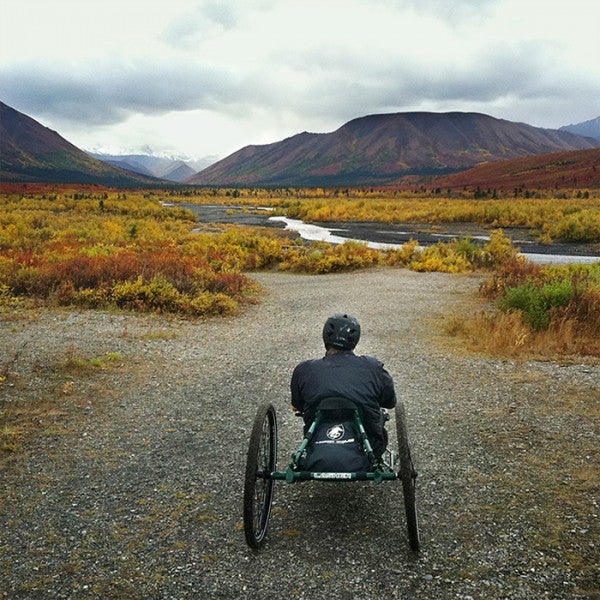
132,488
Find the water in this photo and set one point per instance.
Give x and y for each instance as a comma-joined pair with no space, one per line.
311,232
374,234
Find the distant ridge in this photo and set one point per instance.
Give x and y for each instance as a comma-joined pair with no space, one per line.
381,149
589,128
558,170
30,152
179,173
171,169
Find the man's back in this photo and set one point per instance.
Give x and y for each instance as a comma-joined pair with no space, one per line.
361,379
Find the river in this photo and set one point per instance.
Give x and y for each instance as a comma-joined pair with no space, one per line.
393,235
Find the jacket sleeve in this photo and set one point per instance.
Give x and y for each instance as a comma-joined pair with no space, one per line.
388,393
297,400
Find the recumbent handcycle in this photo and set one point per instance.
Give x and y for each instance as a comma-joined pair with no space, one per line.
335,447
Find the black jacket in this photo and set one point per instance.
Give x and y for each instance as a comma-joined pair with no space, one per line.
361,379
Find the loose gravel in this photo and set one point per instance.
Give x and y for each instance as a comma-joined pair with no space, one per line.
132,486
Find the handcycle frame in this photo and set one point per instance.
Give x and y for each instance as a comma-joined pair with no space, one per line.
261,470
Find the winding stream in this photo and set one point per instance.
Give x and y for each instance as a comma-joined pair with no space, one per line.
391,236
308,231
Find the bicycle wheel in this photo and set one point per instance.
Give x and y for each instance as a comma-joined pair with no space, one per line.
408,476
258,485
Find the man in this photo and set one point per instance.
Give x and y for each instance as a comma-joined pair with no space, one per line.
341,373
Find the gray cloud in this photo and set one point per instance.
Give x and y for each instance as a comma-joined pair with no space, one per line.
209,19
346,83
221,13
110,92
321,84
247,65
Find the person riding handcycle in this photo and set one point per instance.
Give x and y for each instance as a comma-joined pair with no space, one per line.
342,397
342,374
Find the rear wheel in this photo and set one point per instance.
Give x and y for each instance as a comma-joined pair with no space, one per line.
408,476
258,485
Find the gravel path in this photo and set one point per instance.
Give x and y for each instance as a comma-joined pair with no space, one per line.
133,487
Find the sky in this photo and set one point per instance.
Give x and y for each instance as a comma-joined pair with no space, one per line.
204,78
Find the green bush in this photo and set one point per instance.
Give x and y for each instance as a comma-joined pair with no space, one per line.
468,249
536,302
526,299
557,293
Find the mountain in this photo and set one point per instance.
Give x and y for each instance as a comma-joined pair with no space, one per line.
127,165
171,169
380,149
571,169
589,128
179,173
30,152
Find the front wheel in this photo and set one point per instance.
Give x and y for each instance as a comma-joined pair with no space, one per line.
408,476
258,484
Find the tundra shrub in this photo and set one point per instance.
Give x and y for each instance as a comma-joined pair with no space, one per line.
205,303
158,294
498,250
468,249
441,257
321,258
568,293
402,256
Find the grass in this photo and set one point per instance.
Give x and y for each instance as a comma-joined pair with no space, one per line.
534,312
495,333
10,436
69,383
158,335
73,362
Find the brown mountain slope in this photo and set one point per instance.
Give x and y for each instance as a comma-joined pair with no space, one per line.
30,152
380,149
575,169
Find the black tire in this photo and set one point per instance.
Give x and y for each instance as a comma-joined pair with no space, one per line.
408,476
258,486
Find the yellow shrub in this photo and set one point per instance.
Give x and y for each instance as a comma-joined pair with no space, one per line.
205,303
499,249
156,294
321,258
440,257
403,256
92,298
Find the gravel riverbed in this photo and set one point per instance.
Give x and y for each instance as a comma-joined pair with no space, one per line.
132,486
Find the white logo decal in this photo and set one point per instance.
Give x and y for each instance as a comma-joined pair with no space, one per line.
335,432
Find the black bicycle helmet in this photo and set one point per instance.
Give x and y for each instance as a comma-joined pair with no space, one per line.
341,331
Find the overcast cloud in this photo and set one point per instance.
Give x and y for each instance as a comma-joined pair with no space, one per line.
205,77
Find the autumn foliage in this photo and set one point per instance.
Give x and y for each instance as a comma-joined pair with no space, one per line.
131,254
101,248
574,219
538,310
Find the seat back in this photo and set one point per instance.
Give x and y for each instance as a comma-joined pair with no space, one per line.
338,409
